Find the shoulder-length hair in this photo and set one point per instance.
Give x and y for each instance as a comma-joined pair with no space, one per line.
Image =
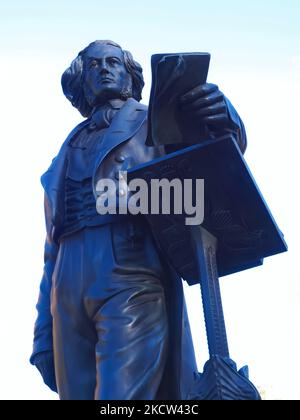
72,78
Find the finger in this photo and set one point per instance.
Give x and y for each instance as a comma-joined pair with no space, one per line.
198,92
218,119
212,110
204,102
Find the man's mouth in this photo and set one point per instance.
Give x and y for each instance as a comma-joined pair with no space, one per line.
106,80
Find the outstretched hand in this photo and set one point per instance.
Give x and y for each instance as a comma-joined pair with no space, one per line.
206,104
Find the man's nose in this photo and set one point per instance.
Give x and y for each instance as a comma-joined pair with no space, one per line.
103,67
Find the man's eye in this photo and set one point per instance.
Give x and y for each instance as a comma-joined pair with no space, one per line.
113,61
93,64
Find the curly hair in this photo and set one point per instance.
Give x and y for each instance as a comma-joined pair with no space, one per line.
72,78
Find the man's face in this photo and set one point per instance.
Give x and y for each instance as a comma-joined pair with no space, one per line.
105,72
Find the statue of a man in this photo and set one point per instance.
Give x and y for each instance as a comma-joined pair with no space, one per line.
111,318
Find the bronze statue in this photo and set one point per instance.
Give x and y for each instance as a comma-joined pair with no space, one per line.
112,322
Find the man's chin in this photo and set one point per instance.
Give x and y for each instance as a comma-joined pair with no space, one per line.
107,95
109,91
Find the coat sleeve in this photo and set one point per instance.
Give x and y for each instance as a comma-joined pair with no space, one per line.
236,127
43,325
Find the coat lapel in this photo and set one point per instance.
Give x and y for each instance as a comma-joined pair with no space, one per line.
125,125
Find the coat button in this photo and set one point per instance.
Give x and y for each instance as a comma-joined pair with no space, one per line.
92,126
122,192
120,158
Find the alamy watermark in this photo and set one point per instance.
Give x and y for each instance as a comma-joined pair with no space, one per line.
161,196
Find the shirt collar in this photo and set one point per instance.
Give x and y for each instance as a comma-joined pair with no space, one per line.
112,103
101,116
116,103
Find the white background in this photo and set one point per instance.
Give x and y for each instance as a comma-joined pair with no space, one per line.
255,61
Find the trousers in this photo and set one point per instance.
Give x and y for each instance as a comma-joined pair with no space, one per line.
110,326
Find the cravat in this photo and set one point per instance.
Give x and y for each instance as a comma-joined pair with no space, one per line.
102,117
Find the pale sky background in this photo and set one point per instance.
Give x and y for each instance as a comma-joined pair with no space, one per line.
255,61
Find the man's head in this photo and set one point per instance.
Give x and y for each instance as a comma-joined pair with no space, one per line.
100,72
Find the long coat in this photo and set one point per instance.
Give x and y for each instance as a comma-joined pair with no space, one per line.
123,146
